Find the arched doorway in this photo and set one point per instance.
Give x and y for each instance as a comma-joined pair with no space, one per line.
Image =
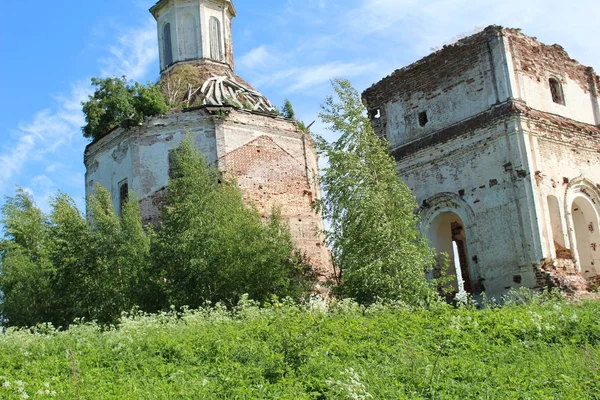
448,236
587,235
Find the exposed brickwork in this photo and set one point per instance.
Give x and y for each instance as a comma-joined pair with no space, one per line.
439,70
537,59
562,275
151,207
271,177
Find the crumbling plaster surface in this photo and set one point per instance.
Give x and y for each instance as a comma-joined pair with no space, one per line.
145,165
535,63
484,169
567,164
451,85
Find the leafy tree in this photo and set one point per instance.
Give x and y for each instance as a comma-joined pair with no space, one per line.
25,269
374,230
62,266
116,103
121,251
71,251
212,247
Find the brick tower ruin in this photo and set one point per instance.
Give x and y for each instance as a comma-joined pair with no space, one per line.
498,136
236,127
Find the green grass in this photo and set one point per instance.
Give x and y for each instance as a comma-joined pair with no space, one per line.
547,349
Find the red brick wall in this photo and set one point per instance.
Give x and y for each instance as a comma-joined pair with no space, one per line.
270,177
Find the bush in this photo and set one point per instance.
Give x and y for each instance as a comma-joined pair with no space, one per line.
116,103
213,247
63,266
59,267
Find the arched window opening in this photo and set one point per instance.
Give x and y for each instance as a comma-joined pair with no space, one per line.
167,45
190,37
216,49
557,91
123,195
587,236
448,237
557,234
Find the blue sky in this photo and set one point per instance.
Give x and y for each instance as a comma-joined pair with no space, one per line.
50,50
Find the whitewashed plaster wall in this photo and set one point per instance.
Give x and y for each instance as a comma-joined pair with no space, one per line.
179,13
215,10
140,155
536,93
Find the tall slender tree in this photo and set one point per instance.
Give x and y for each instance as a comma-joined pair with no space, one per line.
373,230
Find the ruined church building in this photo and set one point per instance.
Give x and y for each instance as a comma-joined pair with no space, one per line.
498,137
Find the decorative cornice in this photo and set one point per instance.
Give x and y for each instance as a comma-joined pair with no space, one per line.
512,107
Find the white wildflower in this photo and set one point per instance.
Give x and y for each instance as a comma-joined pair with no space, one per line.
349,386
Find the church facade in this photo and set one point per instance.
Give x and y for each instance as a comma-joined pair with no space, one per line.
273,161
498,136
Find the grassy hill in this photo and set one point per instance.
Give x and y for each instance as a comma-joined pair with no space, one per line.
546,349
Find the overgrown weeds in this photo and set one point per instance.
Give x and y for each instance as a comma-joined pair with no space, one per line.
546,348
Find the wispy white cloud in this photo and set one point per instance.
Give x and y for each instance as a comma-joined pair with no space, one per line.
57,130
41,188
421,25
258,57
134,53
302,79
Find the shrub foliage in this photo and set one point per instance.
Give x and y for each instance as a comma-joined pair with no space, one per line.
62,266
116,102
212,247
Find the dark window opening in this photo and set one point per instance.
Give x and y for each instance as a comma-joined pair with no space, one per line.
375,113
123,193
167,45
557,91
423,120
174,170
